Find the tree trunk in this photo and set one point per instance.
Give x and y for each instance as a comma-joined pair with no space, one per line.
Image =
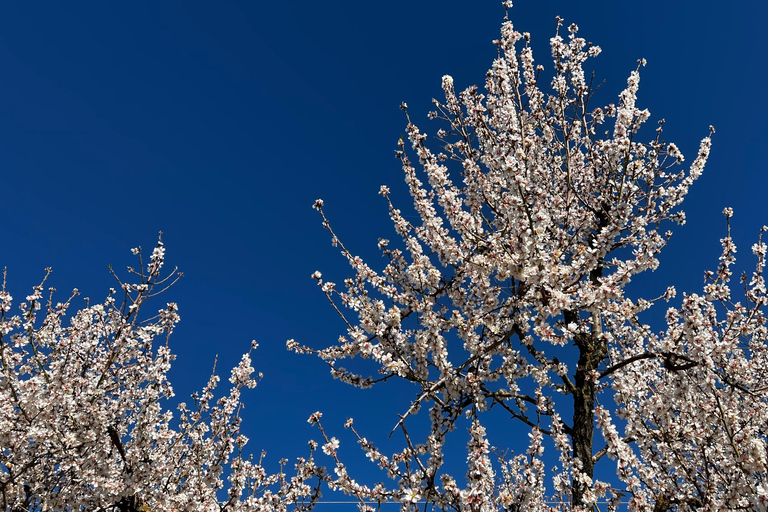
592,350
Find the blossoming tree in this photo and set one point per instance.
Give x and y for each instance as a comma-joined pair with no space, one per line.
82,423
535,213
508,295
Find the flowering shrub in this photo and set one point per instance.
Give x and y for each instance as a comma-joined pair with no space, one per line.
82,423
534,215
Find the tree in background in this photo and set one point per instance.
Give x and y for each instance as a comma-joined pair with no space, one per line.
82,426
509,294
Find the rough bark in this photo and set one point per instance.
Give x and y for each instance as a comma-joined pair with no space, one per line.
592,351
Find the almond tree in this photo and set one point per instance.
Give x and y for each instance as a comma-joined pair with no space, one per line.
535,212
82,421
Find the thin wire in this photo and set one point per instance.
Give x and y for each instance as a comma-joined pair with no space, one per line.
548,502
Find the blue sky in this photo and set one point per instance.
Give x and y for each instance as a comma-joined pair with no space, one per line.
220,123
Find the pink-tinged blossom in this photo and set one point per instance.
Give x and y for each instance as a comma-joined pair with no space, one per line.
331,446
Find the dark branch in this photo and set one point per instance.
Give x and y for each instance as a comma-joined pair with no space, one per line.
625,362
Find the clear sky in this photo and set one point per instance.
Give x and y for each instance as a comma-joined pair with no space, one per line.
220,123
